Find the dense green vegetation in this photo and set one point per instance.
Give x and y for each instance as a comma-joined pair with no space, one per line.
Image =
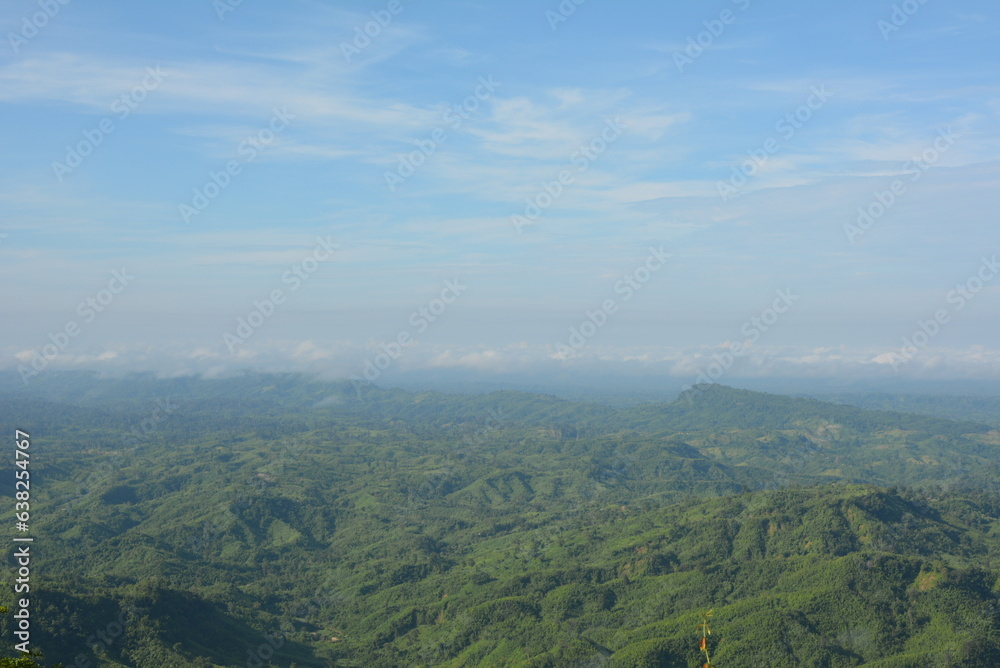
281,520
985,409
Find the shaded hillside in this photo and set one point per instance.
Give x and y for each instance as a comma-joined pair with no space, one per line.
506,529
829,576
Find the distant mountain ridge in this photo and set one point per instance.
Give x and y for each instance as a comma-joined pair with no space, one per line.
423,528
742,407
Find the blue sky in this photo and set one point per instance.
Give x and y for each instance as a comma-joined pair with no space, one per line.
644,110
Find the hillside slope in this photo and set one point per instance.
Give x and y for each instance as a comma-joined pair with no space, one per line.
503,529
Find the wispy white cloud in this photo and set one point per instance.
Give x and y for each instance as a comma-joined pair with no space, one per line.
342,359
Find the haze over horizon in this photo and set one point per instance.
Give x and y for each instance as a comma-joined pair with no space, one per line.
535,189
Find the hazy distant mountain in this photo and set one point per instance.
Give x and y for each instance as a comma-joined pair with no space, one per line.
266,515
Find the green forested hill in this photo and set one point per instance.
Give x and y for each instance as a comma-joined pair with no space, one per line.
985,409
254,519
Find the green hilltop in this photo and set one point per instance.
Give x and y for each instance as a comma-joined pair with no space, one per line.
283,520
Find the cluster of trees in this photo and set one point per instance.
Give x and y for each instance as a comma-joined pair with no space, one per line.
275,520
